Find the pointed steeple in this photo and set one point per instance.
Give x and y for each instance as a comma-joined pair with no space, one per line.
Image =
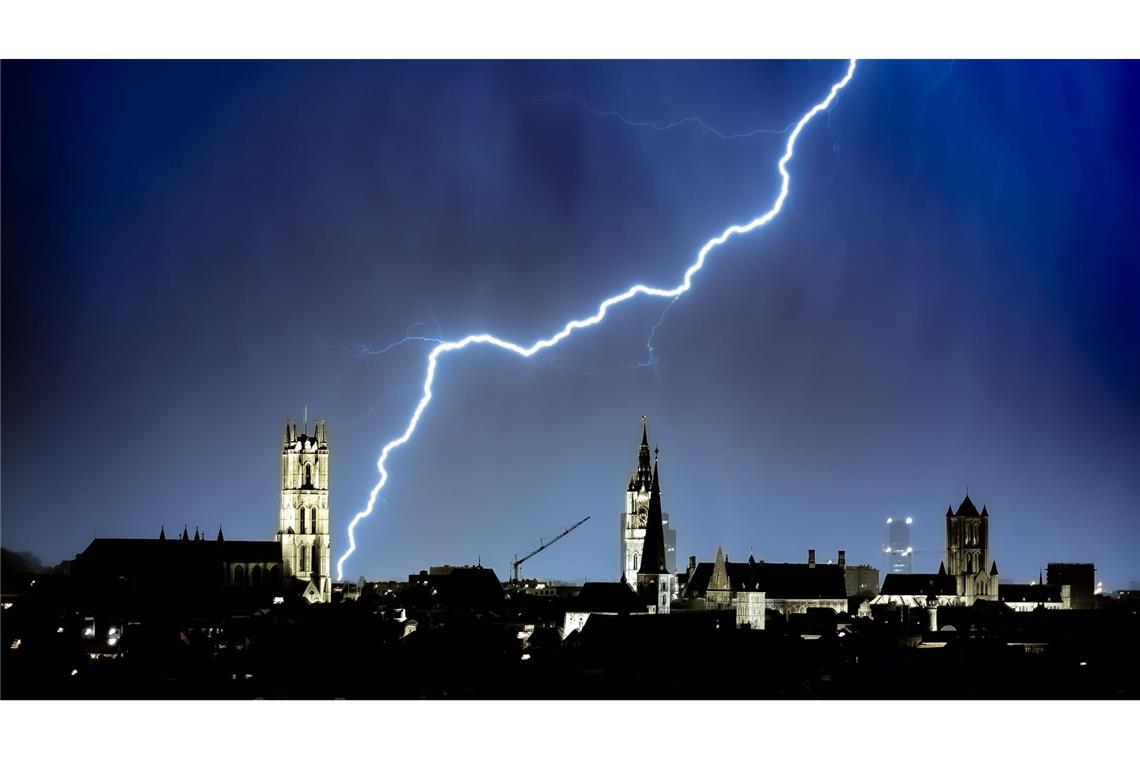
718,581
641,476
942,568
967,508
993,568
162,533
949,511
985,512
197,534
653,549
185,534
221,536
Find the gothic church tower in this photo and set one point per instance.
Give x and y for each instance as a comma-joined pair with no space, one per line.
968,552
304,526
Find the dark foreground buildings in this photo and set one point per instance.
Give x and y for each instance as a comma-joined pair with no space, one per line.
195,617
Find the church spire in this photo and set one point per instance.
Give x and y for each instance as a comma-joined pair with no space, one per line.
642,475
653,550
162,533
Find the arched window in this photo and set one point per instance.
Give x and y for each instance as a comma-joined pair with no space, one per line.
308,476
255,576
301,517
303,555
239,575
313,520
316,564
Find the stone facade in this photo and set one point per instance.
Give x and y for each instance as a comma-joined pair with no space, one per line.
303,530
635,515
968,552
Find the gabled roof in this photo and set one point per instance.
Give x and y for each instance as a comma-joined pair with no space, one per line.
605,597
141,550
777,580
919,584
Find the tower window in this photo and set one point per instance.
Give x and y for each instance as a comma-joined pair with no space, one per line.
313,521
301,559
308,476
302,519
316,565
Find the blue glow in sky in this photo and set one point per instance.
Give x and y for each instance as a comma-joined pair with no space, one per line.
193,251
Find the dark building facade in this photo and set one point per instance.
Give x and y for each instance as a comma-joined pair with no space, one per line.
1081,579
182,566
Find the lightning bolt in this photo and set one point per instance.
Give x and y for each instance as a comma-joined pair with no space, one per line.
600,314
696,121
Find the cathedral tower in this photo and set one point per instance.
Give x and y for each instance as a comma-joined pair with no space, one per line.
304,525
968,552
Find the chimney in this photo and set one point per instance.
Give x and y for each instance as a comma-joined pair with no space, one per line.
811,557
842,558
692,563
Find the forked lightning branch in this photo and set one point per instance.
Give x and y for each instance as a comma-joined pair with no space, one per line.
599,315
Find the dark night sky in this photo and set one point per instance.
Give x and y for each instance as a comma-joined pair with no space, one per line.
951,296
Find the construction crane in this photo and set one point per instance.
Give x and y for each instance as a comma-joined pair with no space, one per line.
541,545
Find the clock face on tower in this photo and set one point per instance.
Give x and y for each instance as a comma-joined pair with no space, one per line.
642,517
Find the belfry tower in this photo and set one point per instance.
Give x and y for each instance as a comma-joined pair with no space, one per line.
304,526
636,514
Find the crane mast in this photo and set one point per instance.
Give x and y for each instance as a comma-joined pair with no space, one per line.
541,545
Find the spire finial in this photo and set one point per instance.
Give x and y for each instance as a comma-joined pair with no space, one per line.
306,419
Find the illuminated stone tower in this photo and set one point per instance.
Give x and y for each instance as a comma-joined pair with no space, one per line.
654,581
304,527
636,513
968,552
